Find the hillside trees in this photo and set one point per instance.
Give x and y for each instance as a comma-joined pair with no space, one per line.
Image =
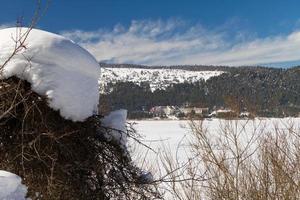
262,91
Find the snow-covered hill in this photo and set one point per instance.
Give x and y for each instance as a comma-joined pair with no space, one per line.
157,78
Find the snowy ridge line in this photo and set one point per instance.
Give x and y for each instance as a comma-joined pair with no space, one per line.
157,78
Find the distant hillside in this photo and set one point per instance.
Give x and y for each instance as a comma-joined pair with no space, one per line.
262,91
157,78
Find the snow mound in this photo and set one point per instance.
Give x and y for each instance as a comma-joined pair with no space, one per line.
11,187
116,120
56,68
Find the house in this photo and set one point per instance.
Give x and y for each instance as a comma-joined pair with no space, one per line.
244,114
163,110
222,113
169,110
157,111
194,110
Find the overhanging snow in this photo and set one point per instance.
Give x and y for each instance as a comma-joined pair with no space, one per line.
57,68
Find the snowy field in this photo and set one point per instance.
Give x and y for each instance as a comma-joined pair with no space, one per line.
158,78
173,137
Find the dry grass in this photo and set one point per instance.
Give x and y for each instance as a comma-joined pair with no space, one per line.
225,165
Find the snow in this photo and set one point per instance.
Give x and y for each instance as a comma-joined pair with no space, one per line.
157,78
56,68
116,120
173,136
11,187
164,136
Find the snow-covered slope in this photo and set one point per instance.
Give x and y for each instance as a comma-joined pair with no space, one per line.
11,187
157,78
56,68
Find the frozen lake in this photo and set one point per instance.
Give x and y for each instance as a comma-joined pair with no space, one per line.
173,137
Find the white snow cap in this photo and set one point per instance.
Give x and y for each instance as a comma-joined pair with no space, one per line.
11,187
57,68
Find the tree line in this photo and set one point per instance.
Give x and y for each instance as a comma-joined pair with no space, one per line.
267,92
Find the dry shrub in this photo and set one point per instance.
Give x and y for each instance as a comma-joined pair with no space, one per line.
58,158
237,162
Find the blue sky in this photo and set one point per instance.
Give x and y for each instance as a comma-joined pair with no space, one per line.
166,32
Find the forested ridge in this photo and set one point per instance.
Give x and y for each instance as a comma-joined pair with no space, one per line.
271,92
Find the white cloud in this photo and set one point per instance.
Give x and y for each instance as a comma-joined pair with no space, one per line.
6,25
175,42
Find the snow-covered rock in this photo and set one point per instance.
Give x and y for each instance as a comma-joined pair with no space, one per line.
57,68
116,120
11,187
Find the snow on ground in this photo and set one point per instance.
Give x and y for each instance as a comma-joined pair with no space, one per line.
173,137
158,78
56,67
11,187
158,132
116,120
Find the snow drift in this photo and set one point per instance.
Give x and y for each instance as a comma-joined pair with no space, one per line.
116,120
56,68
49,81
11,187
